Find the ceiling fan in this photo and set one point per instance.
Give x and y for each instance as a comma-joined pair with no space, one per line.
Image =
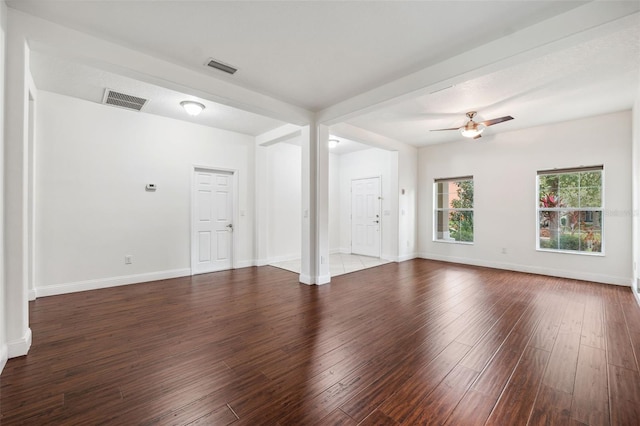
472,129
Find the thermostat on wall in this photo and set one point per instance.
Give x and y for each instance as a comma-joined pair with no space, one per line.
151,187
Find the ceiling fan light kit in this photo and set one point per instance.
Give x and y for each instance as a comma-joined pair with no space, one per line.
472,129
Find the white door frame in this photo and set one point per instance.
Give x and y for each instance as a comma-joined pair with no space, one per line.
379,177
236,214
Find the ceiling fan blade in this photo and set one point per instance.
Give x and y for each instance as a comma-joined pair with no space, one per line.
440,130
496,120
477,137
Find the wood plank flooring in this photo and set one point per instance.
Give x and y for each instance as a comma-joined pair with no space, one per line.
420,342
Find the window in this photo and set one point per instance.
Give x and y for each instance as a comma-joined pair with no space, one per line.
570,206
454,209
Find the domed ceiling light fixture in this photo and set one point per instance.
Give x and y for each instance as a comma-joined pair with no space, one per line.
192,107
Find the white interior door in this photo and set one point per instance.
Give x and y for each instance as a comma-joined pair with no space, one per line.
365,216
213,227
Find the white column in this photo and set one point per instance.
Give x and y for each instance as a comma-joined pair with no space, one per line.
308,247
322,205
315,205
635,185
16,195
262,210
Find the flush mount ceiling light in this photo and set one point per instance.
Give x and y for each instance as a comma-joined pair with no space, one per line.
192,107
333,143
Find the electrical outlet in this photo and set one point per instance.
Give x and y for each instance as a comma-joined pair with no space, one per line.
504,250
128,259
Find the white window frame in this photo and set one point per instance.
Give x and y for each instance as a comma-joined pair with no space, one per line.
440,212
600,209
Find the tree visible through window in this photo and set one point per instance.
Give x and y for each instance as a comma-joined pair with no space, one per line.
454,209
570,206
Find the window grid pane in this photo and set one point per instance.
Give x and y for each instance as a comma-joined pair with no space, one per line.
453,210
570,206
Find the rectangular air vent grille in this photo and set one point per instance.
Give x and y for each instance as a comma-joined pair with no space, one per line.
220,66
123,100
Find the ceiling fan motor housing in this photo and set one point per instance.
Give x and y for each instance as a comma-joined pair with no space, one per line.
473,126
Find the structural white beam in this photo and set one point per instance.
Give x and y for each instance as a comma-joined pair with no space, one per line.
578,25
281,134
48,37
358,134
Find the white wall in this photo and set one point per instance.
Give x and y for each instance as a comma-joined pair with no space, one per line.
284,186
504,169
93,162
368,163
407,175
403,175
3,319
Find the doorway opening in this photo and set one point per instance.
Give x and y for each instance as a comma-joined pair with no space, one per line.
348,161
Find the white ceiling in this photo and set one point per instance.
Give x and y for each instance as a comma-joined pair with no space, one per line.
69,78
344,146
310,53
591,78
315,54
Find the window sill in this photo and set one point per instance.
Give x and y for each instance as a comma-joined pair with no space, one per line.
580,253
464,243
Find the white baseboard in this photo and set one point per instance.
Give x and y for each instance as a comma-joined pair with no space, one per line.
306,279
4,356
52,290
323,279
285,258
635,293
32,294
309,280
344,250
405,257
262,262
561,273
19,347
244,264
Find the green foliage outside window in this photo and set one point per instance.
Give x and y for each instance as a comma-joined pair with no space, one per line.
461,221
454,210
570,210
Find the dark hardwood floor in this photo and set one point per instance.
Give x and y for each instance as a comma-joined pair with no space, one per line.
420,342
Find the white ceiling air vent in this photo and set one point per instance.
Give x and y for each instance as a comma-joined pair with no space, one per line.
214,63
123,100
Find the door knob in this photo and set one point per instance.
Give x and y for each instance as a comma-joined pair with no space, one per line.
230,226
